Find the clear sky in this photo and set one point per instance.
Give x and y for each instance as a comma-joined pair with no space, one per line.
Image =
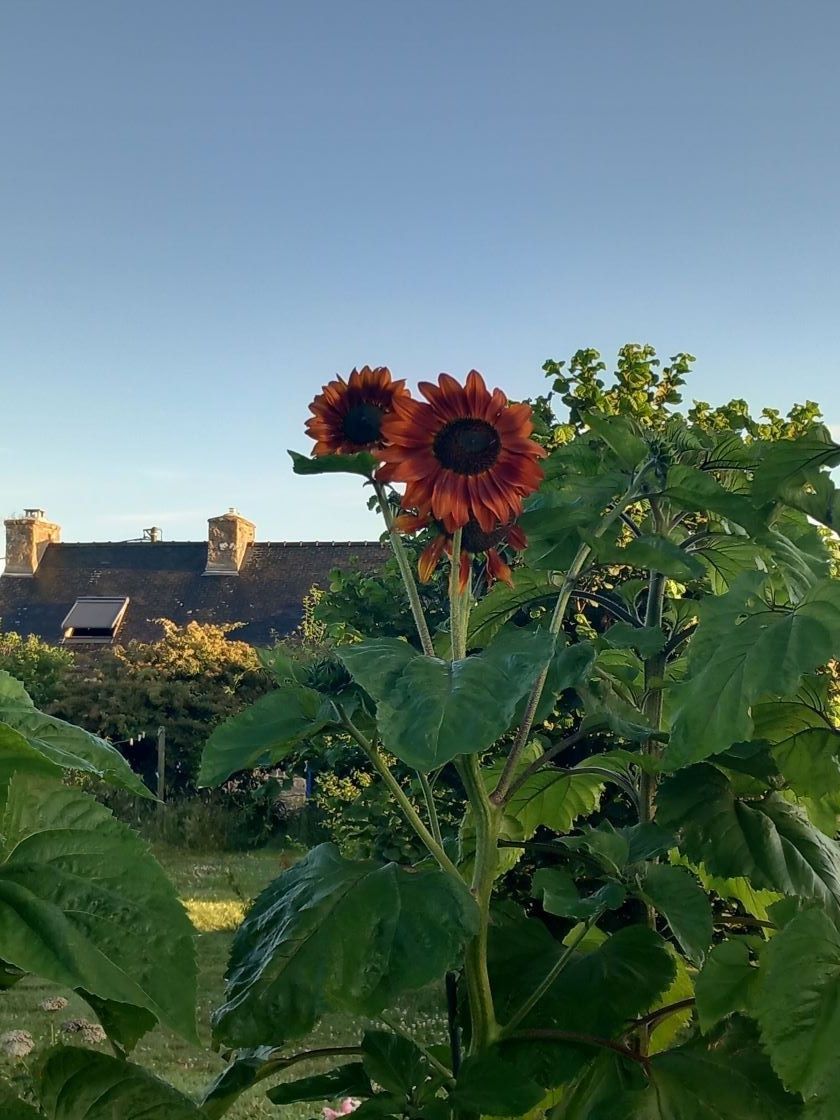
208,209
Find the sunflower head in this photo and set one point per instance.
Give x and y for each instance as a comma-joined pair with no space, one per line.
348,415
464,453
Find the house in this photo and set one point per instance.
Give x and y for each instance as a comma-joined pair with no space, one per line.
100,593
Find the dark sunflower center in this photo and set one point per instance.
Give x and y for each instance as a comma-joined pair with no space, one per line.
363,422
467,446
474,539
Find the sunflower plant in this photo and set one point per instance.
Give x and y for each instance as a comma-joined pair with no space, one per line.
634,694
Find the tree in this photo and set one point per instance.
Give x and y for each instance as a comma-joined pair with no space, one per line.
40,667
188,681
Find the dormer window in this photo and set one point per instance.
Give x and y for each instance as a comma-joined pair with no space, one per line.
94,619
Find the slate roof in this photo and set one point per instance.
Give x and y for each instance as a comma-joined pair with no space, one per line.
165,580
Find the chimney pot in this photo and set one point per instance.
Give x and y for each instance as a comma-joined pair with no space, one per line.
228,537
27,538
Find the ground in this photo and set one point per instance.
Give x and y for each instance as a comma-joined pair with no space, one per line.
215,888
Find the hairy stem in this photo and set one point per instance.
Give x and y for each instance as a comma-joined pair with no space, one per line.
487,822
404,564
412,816
457,631
546,982
431,808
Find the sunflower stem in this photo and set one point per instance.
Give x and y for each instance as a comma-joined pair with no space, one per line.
431,809
411,814
404,564
487,824
456,613
500,794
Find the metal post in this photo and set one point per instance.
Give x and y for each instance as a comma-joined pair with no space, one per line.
161,766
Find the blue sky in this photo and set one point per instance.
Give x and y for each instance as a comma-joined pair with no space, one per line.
208,209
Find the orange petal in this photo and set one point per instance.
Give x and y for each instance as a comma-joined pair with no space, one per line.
497,568
430,558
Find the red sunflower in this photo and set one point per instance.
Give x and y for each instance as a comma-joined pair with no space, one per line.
348,414
474,541
465,455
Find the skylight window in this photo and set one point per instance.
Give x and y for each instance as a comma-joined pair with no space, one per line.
94,619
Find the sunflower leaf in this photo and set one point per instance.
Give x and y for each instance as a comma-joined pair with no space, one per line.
430,711
362,463
339,935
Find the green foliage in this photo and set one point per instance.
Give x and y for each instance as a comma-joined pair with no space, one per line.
83,904
638,743
355,936
80,1085
189,681
40,667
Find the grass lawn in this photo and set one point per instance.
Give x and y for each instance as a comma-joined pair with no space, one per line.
215,889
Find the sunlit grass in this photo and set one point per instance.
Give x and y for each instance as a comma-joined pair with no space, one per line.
214,916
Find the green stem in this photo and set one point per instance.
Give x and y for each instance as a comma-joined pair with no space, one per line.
413,817
431,809
654,696
500,793
404,564
487,823
430,1058
546,982
456,614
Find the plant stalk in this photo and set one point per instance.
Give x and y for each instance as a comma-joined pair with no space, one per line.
413,817
404,565
487,823
546,982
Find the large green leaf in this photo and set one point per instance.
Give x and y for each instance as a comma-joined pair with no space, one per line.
656,553
726,983
494,1087
798,1010
569,667
805,741
702,1081
561,897
629,970
744,651
76,1084
343,1081
554,799
726,556
337,935
793,462
769,841
84,904
430,711
699,490
362,462
265,733
491,612
683,903
61,745
621,435
393,1062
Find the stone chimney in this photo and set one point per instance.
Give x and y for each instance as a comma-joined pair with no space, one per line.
26,540
227,539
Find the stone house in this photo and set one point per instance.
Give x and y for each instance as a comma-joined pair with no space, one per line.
101,593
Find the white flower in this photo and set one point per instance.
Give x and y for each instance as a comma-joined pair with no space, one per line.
17,1044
